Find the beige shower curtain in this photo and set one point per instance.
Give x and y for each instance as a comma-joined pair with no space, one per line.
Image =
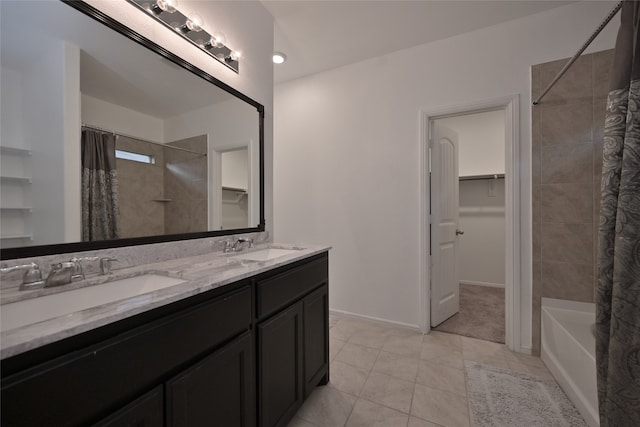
618,293
100,209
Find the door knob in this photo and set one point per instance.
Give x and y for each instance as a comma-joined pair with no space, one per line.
458,232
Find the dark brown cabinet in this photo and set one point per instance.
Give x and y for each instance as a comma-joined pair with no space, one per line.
219,388
146,411
316,339
244,354
293,343
280,379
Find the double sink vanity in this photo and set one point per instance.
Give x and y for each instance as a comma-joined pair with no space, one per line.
233,339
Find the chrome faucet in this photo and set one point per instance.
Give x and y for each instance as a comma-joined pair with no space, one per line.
63,273
105,265
60,274
32,278
237,245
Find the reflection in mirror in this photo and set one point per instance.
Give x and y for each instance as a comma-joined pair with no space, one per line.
65,76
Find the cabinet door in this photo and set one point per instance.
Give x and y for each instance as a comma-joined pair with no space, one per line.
217,391
146,411
316,339
280,374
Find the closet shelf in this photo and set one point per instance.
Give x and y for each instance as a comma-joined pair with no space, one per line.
237,190
16,208
14,150
477,177
17,237
15,179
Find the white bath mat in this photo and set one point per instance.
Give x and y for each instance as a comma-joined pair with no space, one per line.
501,397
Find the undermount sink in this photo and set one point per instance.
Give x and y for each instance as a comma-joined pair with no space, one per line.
266,254
29,311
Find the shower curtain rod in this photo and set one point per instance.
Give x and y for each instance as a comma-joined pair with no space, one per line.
579,52
143,140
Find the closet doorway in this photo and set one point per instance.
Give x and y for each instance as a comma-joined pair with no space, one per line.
471,302
472,265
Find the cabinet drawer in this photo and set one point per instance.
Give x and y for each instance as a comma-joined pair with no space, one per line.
278,291
90,383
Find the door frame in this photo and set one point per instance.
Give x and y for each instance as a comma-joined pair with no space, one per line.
511,107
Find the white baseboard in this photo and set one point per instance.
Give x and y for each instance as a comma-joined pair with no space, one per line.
385,322
525,350
491,285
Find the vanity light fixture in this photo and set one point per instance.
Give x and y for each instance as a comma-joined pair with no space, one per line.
191,29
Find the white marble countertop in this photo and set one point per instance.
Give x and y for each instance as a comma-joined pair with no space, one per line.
200,274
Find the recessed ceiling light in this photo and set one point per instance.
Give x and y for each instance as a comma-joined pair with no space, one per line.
279,57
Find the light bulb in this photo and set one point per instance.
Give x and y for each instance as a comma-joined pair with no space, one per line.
218,39
195,22
279,57
235,55
160,6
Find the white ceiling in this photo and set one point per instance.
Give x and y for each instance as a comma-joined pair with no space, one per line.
318,35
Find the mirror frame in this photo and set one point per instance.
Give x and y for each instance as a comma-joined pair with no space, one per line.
59,248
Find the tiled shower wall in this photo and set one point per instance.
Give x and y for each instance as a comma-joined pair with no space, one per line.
185,184
567,141
140,186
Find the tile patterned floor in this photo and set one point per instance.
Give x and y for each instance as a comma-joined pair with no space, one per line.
386,377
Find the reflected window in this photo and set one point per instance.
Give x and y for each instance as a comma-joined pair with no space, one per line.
135,157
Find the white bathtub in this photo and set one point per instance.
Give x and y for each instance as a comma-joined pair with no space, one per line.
568,349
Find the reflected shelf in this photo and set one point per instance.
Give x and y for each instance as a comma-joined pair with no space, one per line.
15,179
16,209
477,177
14,150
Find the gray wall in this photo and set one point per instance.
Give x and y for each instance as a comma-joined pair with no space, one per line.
567,140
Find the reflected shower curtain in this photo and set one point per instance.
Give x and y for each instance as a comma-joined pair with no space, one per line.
618,293
99,186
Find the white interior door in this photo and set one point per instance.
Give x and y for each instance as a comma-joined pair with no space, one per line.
445,288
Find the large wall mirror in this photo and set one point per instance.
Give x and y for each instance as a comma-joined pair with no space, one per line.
106,141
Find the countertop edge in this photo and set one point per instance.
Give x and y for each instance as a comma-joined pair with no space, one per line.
22,339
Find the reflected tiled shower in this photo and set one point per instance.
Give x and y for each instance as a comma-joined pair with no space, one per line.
169,196
567,141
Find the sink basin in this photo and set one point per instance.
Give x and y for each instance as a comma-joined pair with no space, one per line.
266,254
27,312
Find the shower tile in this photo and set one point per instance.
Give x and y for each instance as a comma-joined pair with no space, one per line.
566,163
576,85
596,199
535,165
536,203
602,64
599,116
567,242
567,202
537,240
566,124
566,280
535,81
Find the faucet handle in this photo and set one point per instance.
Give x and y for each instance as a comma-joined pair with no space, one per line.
77,273
32,278
105,265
